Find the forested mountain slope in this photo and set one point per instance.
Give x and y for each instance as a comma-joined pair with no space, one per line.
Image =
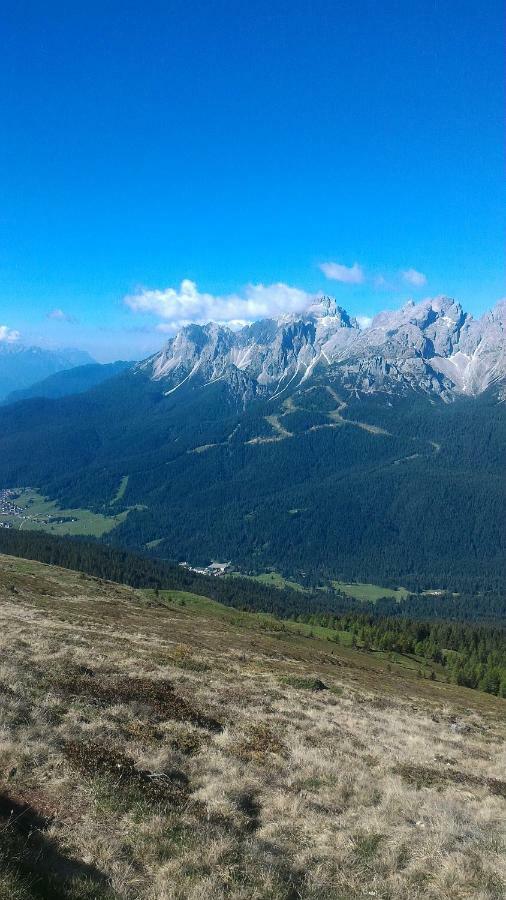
302,444
70,381
370,488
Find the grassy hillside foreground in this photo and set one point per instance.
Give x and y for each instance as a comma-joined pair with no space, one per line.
167,747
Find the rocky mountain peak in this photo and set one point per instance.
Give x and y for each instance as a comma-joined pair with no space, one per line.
431,346
433,311
326,308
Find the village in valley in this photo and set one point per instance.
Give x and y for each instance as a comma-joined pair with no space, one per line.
12,515
214,568
8,507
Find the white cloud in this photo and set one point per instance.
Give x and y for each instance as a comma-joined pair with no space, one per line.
178,307
416,279
364,321
348,274
60,315
8,335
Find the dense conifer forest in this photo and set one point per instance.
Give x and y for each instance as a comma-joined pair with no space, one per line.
472,656
421,505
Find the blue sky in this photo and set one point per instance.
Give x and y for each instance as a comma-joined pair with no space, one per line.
164,161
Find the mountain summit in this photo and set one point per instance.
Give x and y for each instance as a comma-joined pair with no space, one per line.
433,346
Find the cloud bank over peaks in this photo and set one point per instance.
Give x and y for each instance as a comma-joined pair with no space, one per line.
177,307
8,335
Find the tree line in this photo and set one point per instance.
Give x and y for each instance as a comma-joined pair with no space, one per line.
473,655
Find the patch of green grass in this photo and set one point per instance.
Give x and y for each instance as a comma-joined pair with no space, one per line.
273,579
23,566
366,846
336,689
286,630
204,605
197,602
321,631
369,593
121,490
358,590
40,514
411,662
304,683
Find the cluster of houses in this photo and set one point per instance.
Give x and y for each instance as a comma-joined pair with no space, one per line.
8,507
215,568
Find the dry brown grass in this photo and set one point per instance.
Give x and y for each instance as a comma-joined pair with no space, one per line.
150,752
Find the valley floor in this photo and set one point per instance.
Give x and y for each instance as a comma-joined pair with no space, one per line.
162,746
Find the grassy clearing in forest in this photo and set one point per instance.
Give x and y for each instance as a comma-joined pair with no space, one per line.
40,514
365,592
369,593
121,490
273,579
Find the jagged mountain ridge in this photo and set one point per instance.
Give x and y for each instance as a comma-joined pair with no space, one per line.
432,346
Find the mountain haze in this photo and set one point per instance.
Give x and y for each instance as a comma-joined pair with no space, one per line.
69,381
20,366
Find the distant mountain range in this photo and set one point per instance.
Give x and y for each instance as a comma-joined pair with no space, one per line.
70,381
20,366
304,443
433,346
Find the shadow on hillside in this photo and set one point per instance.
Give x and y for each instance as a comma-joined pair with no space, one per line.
33,866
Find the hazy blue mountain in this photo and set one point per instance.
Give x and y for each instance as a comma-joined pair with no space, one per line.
20,366
70,381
